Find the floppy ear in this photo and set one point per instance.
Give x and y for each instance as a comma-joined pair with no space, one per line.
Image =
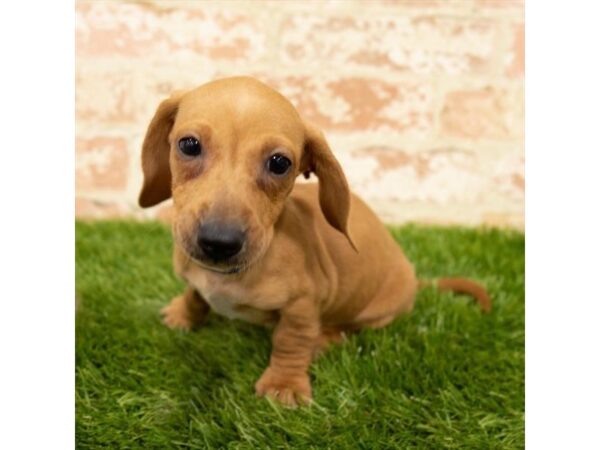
334,193
155,153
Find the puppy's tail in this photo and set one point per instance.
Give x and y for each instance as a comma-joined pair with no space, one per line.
462,286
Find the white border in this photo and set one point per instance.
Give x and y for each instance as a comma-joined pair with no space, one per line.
562,225
37,227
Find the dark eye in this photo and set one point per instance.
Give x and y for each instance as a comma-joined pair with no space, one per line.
278,164
189,146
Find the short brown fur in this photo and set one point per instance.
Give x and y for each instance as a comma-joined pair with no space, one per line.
316,263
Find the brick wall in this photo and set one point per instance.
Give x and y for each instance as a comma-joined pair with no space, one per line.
422,101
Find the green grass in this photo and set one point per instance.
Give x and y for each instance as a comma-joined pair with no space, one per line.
443,377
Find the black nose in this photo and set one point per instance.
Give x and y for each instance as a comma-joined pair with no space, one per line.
220,241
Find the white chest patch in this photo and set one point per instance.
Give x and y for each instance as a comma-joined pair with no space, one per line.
224,305
230,301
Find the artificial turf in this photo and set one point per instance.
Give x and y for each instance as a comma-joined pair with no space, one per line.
445,376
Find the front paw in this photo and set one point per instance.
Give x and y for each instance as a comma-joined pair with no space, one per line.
177,315
288,389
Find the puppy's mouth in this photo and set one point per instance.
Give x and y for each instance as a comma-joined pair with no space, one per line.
222,269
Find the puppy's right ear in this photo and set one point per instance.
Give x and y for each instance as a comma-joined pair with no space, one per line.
155,153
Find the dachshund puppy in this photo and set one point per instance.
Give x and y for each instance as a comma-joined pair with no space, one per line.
310,260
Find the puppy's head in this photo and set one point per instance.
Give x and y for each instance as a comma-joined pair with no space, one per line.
228,153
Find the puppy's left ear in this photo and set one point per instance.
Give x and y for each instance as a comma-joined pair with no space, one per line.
334,193
155,153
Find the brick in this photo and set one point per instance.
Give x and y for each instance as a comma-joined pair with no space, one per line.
86,208
157,30
508,176
501,4
122,93
421,4
105,95
355,103
487,113
442,175
101,163
516,67
423,45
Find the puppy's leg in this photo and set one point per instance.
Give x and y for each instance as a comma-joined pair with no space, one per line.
294,340
185,311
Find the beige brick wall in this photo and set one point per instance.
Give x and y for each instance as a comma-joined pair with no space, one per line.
422,101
